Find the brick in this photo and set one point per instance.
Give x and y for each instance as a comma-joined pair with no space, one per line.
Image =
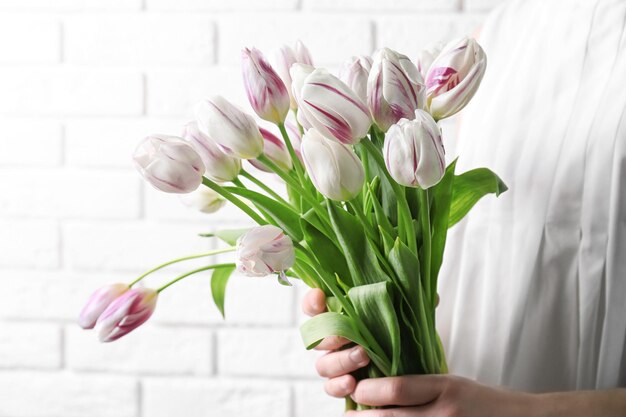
312,401
39,39
69,193
30,345
29,243
30,142
481,5
219,5
71,5
149,349
49,295
139,39
216,397
376,5
175,92
410,34
264,352
111,142
38,394
129,246
69,91
348,34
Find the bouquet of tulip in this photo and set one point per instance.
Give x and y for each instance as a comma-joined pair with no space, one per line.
369,197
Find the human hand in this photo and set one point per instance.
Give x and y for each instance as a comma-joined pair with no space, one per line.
411,395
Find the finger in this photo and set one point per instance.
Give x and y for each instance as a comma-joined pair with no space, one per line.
314,302
405,390
341,386
342,362
392,412
332,343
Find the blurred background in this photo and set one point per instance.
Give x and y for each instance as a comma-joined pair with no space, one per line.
81,82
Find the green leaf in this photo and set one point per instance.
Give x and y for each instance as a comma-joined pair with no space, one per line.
374,306
314,330
283,215
359,255
219,279
470,187
441,195
228,236
406,266
326,252
379,213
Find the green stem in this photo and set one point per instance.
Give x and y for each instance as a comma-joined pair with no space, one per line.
262,186
195,271
297,187
233,199
268,218
185,258
424,210
403,205
292,153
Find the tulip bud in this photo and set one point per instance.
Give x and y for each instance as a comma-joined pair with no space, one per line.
169,163
285,58
203,199
219,166
330,106
299,73
454,77
235,132
414,152
264,250
98,302
266,92
355,72
334,168
127,312
426,57
275,150
395,89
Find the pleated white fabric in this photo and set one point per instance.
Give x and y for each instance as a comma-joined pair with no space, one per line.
533,287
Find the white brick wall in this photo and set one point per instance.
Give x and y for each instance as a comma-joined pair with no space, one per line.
81,81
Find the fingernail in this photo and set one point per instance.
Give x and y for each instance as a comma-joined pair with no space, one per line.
358,356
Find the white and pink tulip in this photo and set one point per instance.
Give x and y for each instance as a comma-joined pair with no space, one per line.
327,104
266,92
454,77
414,152
355,72
334,168
127,312
218,166
395,88
234,131
285,58
169,164
264,250
98,302
275,150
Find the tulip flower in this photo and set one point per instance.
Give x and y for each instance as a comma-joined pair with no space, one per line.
266,92
295,137
127,312
454,77
329,105
219,166
395,89
285,58
299,73
275,150
426,57
334,168
169,164
235,132
414,152
264,250
355,72
203,199
98,302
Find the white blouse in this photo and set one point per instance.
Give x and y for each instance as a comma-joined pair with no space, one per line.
533,287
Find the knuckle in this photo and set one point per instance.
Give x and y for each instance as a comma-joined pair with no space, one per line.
395,389
320,366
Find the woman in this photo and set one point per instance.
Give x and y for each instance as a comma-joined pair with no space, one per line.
533,288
